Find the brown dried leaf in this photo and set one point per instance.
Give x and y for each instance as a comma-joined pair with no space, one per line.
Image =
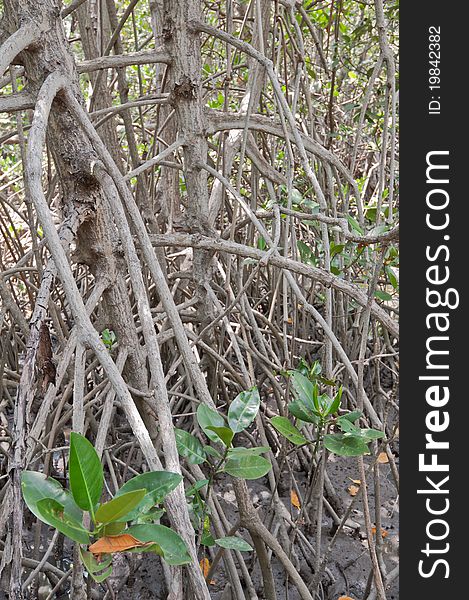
205,567
384,533
383,458
115,543
295,500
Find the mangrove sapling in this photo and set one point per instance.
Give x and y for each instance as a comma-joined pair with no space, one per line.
222,457
127,522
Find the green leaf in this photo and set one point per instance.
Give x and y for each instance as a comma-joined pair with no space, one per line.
354,224
243,409
99,571
345,444
53,513
324,404
352,416
119,506
241,451
306,254
172,546
303,388
305,405
158,485
296,196
392,277
189,447
36,486
86,473
383,295
288,430
213,452
315,370
207,417
198,485
302,412
224,434
114,528
335,405
336,249
371,434
347,426
247,467
151,516
303,368
234,543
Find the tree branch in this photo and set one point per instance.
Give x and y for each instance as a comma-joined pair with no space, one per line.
221,121
16,102
124,60
26,35
327,279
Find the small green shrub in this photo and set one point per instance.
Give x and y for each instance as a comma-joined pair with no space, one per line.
127,522
222,457
309,406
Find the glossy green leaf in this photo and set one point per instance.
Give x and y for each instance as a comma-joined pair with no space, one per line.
198,485
234,543
158,485
347,426
207,418
241,451
345,444
299,410
151,516
119,506
288,430
212,451
98,570
53,513
86,473
243,409
36,486
173,547
335,405
371,434
352,416
223,434
189,447
382,295
303,388
354,224
303,368
248,467
392,277
336,249
114,528
316,369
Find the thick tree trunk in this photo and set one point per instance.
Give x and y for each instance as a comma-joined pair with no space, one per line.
74,157
186,97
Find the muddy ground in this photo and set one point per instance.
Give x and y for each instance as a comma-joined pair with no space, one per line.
140,577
